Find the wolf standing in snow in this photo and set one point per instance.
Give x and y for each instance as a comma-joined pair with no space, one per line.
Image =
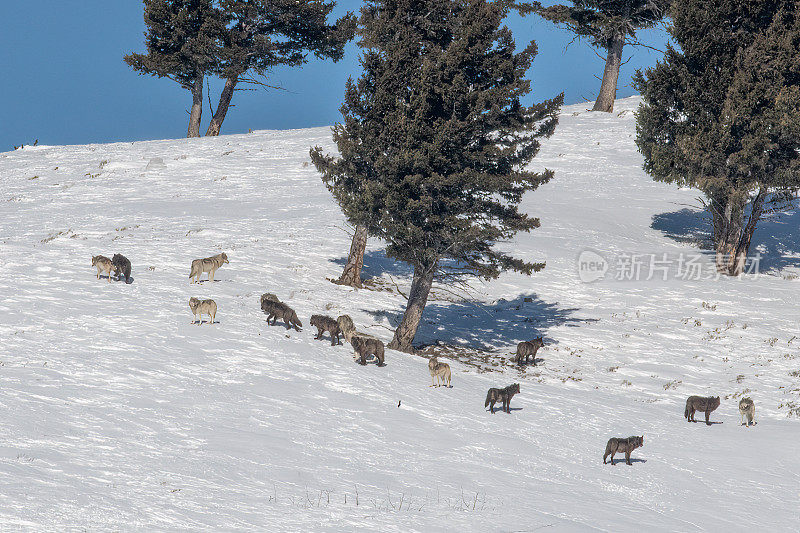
203,307
209,264
275,310
325,323
702,404
103,264
122,267
620,445
364,346
501,395
748,411
528,349
439,372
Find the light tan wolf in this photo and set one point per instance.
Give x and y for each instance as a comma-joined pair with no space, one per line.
203,307
748,411
620,445
346,326
209,264
439,372
103,264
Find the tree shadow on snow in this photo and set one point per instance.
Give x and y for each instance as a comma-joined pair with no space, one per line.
777,236
486,326
376,263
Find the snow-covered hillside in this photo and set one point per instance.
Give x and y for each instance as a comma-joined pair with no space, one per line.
118,414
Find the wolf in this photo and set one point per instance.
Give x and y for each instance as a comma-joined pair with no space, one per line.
103,264
439,372
699,403
501,395
269,297
528,348
209,264
326,323
748,411
364,346
620,445
122,267
203,307
346,326
276,310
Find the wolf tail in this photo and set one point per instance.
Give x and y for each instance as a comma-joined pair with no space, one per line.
488,399
686,411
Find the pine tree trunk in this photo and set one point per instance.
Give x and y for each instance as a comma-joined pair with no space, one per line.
197,108
732,235
608,89
352,270
222,107
417,298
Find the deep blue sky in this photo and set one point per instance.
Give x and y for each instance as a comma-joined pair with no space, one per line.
64,81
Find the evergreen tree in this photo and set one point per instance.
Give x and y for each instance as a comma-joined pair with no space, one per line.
181,41
609,25
721,113
262,34
435,141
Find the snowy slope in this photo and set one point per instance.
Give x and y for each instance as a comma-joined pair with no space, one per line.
118,414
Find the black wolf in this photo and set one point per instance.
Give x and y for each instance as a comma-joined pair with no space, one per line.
122,266
501,395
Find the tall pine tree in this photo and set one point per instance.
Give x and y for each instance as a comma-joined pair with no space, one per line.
609,25
435,141
181,40
262,34
721,113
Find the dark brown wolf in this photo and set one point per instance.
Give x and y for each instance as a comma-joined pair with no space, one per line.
702,404
620,445
364,346
276,310
122,266
501,395
528,348
325,323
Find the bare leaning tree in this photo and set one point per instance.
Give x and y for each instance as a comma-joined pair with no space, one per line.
187,41
609,25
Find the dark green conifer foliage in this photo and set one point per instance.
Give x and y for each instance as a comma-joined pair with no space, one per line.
435,142
181,41
609,25
262,34
721,114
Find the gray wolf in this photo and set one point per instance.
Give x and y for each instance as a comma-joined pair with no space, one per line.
439,372
501,395
203,307
270,297
122,266
699,403
364,346
620,445
326,323
346,326
209,264
528,348
748,411
276,310
103,264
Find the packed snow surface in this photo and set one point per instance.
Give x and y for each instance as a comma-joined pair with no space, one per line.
118,414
